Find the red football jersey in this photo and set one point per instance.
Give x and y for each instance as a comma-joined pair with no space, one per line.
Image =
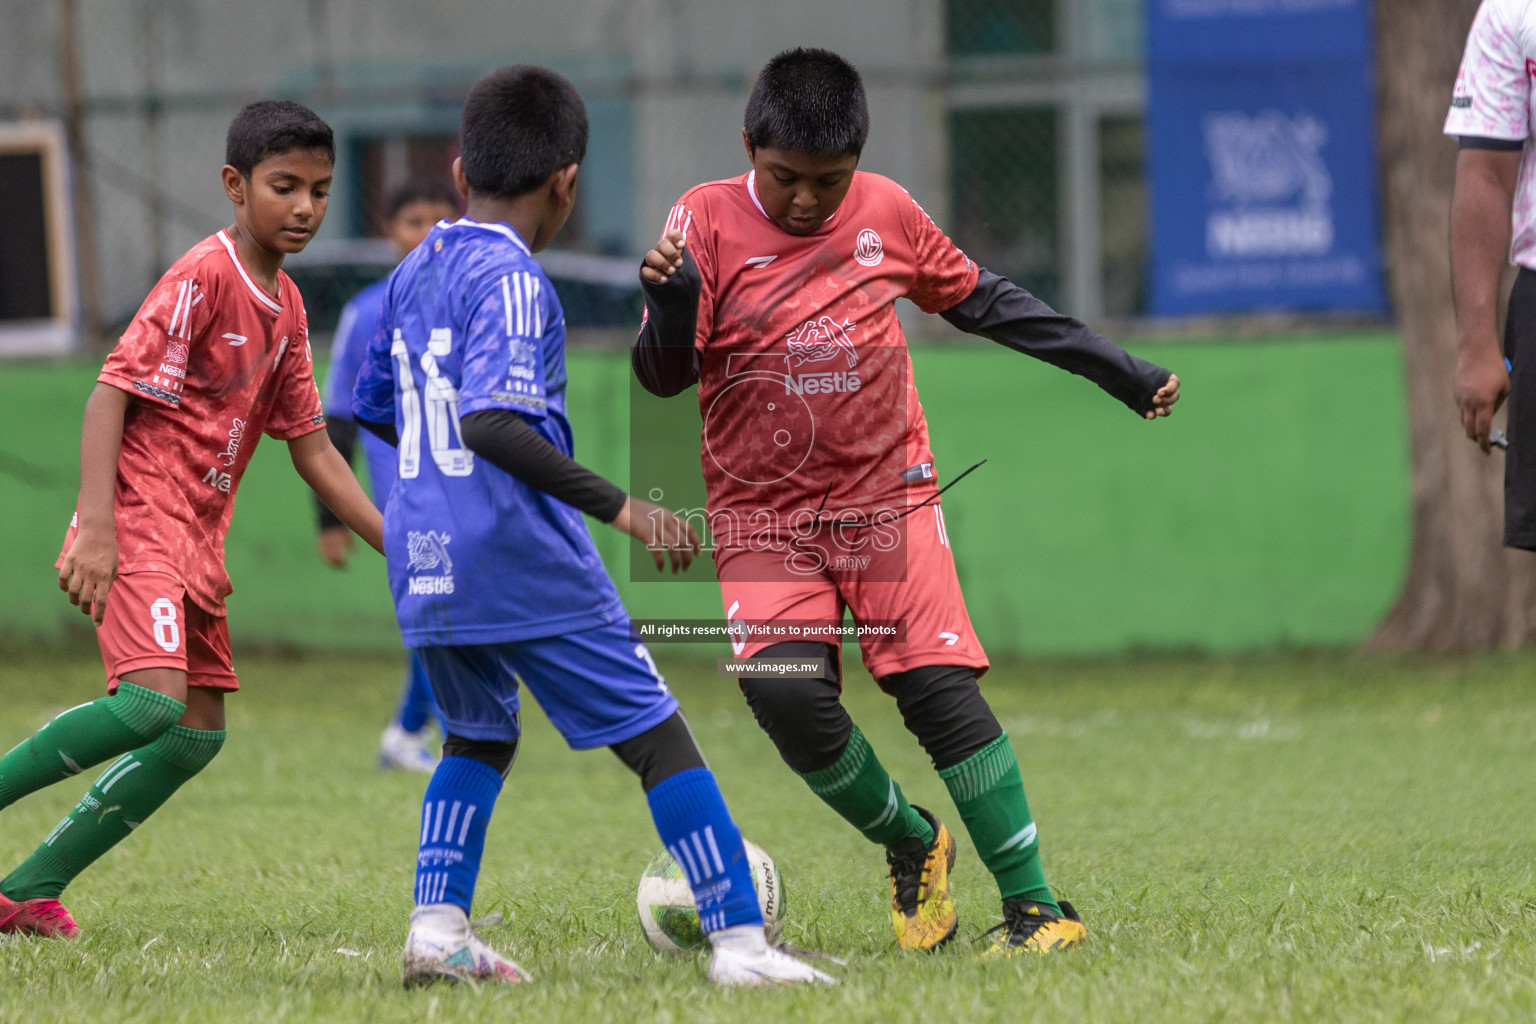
212,362
805,386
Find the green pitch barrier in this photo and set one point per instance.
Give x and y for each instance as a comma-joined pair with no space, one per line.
1272,510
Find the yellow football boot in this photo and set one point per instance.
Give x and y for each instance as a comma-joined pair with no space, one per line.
1029,928
922,910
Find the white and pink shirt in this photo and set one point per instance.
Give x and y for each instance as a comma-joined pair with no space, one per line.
1493,99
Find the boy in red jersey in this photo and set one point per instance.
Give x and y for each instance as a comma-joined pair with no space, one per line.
217,355
775,292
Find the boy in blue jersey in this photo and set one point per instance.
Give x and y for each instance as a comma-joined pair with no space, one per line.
493,571
410,213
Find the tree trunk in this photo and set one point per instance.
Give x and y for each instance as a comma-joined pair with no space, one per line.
88,278
1464,591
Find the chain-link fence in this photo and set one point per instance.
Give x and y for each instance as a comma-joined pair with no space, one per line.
1004,193
1044,131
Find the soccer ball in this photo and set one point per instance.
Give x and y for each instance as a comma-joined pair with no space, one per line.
668,914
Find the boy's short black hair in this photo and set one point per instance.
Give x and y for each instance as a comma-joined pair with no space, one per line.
808,101
420,190
271,127
521,124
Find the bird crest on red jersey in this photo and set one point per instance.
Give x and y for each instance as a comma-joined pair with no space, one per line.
819,340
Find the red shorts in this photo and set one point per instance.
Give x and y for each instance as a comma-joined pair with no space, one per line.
919,600
151,623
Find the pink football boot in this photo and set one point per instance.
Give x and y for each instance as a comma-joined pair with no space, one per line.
45,918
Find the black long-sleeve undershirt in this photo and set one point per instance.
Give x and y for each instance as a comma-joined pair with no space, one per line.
666,362
508,442
383,431
663,356
343,435
1000,310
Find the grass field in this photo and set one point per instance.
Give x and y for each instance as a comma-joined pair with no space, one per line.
1303,838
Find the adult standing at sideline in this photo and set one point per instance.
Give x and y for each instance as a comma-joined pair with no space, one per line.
1493,218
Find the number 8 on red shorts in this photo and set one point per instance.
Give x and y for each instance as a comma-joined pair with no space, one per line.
151,623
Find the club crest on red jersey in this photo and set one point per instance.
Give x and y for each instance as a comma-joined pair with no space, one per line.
868,250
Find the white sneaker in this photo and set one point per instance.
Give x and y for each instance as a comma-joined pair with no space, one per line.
739,961
443,947
406,750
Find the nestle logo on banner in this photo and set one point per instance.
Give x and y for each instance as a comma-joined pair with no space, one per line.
1270,190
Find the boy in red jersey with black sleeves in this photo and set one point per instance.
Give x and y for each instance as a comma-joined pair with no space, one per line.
217,356
775,292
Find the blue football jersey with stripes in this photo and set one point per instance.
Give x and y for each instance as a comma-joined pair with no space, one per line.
469,322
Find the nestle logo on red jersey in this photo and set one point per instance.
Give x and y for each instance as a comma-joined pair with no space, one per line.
818,341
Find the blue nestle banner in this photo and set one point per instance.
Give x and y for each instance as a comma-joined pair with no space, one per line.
1247,32
1262,157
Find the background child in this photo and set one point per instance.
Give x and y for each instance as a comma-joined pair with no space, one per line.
217,355
494,573
412,210
792,270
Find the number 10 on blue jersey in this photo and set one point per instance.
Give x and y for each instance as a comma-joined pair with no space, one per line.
444,438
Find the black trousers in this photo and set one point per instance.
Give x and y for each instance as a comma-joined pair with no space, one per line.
1520,460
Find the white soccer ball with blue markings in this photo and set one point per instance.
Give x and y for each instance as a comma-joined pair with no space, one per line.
668,913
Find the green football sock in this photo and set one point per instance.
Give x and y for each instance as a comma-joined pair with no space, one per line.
989,793
130,790
85,736
858,788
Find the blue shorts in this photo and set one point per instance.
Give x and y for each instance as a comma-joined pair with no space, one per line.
598,686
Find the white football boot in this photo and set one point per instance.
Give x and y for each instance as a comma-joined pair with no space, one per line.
743,958
408,751
443,947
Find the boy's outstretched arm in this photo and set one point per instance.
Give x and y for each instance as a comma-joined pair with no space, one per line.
90,565
328,475
663,357
1007,314
508,442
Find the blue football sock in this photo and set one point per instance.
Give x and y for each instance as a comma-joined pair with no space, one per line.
454,816
416,701
698,831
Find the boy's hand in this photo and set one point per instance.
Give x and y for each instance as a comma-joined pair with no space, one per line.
665,260
667,534
88,570
335,544
1162,402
